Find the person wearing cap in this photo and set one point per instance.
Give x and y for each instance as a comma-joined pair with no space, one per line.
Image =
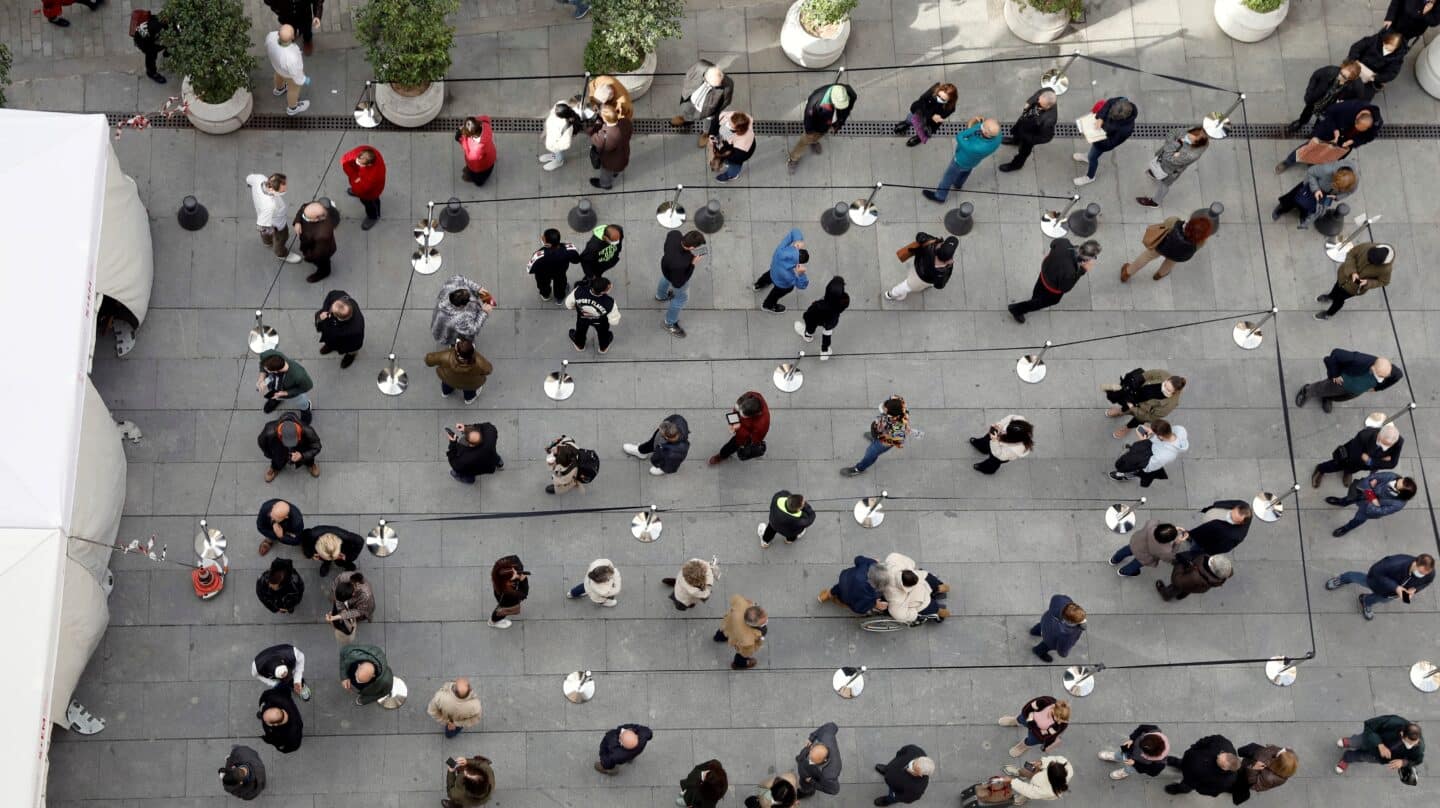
1064,265
281,665
978,140
933,263
279,521
1349,374
1378,495
826,110
280,722
341,327
1366,267
786,272
332,545
1372,449
243,775
280,588
365,672
287,440
1192,577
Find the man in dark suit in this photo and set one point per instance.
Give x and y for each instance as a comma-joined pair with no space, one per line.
1227,524
1349,374
1372,449
1036,125
1062,268
1210,767
474,451
286,440
1397,576
906,776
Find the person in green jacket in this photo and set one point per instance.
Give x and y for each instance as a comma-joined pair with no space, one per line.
284,381
1366,267
469,781
365,672
1387,739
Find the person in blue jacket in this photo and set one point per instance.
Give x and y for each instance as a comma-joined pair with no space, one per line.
978,140
1395,576
1059,628
1117,119
859,587
786,272
1380,494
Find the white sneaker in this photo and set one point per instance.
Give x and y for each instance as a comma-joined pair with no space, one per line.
1008,721
800,330
503,622
1080,157
1119,774
760,530
610,604
546,157
1079,181
824,354
658,472
554,164
280,91
632,449
298,108
293,258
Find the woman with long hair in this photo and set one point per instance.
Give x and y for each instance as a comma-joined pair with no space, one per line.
1011,438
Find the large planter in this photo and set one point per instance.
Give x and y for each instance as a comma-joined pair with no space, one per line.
410,108
1244,25
1427,69
638,82
217,119
1033,25
807,50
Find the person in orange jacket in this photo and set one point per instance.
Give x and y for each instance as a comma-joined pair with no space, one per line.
365,168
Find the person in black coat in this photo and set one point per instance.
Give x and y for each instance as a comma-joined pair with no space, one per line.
549,264
1349,374
304,15
824,315
1062,268
932,265
280,588
341,327
1036,125
602,251
280,723
928,112
1182,239
907,775
1210,767
1394,576
287,440
1329,86
790,516
474,450
1381,56
314,545
1227,526
1372,449
1117,118
243,774
1348,124
594,308
147,38
681,255
1410,18
622,745
826,111
280,521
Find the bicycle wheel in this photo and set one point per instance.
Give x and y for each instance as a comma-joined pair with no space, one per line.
882,624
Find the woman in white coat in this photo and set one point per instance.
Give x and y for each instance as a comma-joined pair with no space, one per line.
1010,439
694,585
560,126
601,584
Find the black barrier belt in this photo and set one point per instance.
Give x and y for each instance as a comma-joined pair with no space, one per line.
670,189
1167,76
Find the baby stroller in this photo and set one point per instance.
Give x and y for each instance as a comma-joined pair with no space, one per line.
994,791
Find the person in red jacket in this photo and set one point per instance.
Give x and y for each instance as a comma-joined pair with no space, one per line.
54,8
477,146
366,170
750,423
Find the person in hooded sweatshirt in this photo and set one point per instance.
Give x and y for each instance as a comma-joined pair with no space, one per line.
818,763
1159,445
786,272
790,516
1381,56
549,264
602,251
341,327
933,263
243,774
280,722
824,315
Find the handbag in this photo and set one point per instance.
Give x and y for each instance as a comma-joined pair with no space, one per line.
1408,776
750,451
1136,457
907,252
1154,234
1320,153
1155,170
594,157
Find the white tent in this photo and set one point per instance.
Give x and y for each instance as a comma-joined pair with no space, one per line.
73,230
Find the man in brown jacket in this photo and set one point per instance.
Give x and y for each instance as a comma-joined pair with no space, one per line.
1263,768
610,144
1199,574
315,225
1146,399
1366,267
460,368
456,706
1155,542
744,628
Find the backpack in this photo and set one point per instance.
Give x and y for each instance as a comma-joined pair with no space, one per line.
138,17
588,466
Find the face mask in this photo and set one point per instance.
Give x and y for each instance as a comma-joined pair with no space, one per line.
1387,50
1189,141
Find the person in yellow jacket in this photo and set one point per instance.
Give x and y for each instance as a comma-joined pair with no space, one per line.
1366,267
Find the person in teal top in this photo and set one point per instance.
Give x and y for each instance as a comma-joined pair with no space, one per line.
978,140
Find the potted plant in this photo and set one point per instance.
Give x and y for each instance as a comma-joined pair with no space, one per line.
4,71
1250,20
208,42
407,43
815,31
625,35
1042,20
1427,69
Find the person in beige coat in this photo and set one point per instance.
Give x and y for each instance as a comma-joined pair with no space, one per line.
744,628
601,584
1366,267
780,791
1043,780
1155,542
456,706
608,89
693,586
910,591
461,368
1149,398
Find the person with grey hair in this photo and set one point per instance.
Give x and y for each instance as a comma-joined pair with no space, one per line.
601,584
707,93
1064,265
1196,575
1372,449
818,764
667,448
744,627
1210,767
978,140
860,587
1035,126
281,666
907,775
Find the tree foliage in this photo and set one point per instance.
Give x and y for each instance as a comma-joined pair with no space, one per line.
625,31
209,41
407,42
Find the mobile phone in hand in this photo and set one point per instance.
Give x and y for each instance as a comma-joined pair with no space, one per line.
1405,596
450,762
450,432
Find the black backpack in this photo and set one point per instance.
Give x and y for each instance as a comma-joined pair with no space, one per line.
588,466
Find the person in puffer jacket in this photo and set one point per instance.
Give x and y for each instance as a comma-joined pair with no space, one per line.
667,448
912,592
560,127
601,584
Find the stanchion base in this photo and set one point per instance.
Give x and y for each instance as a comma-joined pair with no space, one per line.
429,236
367,115
788,377
1279,672
1214,126
670,215
646,527
382,541
209,543
1267,506
578,688
559,386
863,214
426,261
1030,369
263,339
848,683
1053,226
1053,79
1425,676
1338,251
1119,523
392,384
1078,681
399,691
1247,336
870,511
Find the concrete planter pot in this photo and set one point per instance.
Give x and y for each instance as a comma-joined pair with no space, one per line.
1427,69
217,119
1033,25
806,49
406,107
1243,25
639,81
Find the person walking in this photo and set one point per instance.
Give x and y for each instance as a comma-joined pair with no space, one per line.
1378,495
731,144
1226,527
1390,740
1263,767
1174,240
790,516
934,261
826,111
511,583
281,666
1144,752
570,466
622,745
1180,149
1010,438
461,309
279,588
243,775
315,225
366,672
677,265
1114,122
1323,186
1210,767
786,272
284,381
267,194
582,8
1044,719
460,368
667,448
1381,56
455,706
365,169
594,308
823,315
887,432
54,9
1328,86
1059,628
602,251
302,15
329,544
473,450
280,723
341,326
470,780
693,586
1394,576
279,521
609,147
1195,575
744,627
1344,127
601,584
286,440
749,422
1034,127
818,763
1411,18
288,64
477,149
1042,780
1372,449
1349,374
352,602
978,140
1155,542
549,264
1064,265
704,787
860,587
1159,445
561,124
906,776
1366,267
928,112
706,92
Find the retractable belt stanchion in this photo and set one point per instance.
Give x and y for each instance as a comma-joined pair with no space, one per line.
1248,335
1216,122
1053,222
262,337
1270,507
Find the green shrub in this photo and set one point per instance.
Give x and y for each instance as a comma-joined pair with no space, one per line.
625,31
209,41
818,14
407,42
4,71
1262,6
1075,8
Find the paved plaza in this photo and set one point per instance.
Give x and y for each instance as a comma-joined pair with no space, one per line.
172,676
